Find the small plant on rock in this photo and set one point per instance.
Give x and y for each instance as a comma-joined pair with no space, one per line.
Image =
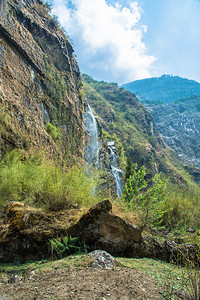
53,131
65,246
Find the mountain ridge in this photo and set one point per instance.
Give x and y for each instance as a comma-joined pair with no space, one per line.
166,88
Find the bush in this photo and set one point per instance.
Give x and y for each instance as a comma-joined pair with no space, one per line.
182,209
147,197
53,131
37,180
165,205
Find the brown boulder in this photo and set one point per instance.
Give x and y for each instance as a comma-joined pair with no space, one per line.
100,229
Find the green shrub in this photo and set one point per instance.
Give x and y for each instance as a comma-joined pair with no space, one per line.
53,131
161,203
39,181
147,197
182,209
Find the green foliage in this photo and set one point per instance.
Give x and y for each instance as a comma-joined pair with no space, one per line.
56,89
163,204
65,246
148,197
53,131
182,209
39,181
134,186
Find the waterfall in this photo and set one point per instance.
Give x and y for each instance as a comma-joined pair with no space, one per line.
117,173
91,151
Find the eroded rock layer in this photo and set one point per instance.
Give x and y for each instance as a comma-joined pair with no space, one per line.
40,81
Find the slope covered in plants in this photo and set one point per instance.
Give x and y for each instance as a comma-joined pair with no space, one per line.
125,120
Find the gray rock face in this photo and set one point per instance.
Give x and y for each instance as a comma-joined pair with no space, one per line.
179,125
103,260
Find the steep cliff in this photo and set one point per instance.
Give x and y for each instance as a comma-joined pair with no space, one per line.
40,82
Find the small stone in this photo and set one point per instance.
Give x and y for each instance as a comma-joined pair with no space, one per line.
103,260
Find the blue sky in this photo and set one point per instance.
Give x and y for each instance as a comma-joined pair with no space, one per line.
121,41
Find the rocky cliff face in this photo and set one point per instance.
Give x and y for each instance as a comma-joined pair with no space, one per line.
179,124
40,82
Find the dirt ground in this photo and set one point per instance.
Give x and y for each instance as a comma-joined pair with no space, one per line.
80,283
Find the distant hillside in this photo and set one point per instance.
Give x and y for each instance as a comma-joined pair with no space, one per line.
164,89
179,125
126,121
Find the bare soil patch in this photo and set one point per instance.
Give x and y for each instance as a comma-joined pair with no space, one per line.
81,283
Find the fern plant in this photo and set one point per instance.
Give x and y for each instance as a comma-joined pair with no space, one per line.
64,246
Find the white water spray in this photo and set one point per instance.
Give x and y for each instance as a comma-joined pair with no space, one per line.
91,151
117,173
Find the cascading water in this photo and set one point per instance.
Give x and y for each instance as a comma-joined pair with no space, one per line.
117,173
91,151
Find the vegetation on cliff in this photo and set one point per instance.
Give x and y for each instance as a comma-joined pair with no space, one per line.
175,106
40,83
125,119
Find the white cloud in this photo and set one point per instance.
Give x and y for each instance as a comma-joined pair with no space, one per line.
107,39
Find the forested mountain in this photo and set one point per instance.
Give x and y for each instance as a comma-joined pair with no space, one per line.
164,89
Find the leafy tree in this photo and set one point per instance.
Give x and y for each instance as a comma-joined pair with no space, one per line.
134,185
148,197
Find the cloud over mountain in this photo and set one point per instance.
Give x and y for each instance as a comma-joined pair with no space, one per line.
106,38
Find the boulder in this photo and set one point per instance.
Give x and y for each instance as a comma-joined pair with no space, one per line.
100,229
25,232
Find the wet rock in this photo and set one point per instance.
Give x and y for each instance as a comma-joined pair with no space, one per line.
103,260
